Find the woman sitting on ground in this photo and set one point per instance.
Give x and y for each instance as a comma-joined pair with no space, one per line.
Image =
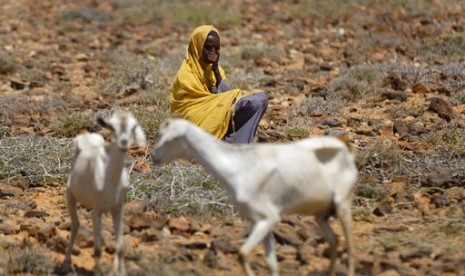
201,95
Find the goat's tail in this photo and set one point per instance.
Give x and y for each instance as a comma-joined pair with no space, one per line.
346,141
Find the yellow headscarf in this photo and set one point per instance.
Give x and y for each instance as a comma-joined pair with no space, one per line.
190,92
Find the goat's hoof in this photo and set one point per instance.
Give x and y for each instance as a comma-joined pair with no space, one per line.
62,269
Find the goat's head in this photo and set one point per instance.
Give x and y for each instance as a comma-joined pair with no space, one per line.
170,145
125,129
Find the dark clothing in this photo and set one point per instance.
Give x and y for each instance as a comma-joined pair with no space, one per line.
248,112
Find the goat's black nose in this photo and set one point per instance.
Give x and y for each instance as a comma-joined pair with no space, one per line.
124,142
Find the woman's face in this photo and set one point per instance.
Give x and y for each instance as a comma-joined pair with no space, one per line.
211,48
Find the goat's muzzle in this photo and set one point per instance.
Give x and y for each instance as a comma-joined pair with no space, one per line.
155,157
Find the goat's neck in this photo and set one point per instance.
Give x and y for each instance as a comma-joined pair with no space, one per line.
216,156
115,164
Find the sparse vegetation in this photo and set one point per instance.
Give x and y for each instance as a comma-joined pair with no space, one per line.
384,161
181,189
28,258
63,64
257,52
28,161
7,63
363,81
331,105
401,111
183,13
73,124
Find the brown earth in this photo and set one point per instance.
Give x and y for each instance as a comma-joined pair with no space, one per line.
414,229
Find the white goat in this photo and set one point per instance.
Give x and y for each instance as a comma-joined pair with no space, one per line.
99,181
314,176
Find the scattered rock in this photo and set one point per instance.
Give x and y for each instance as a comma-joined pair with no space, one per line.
286,234
217,260
17,84
366,132
286,252
8,191
224,244
135,207
60,244
454,194
383,208
139,221
416,128
391,227
439,177
180,224
395,82
85,238
7,228
36,214
334,132
442,108
150,235
194,243
399,127
331,122
394,95
419,89
414,253
354,122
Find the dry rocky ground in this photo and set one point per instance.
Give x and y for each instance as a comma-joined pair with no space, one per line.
391,76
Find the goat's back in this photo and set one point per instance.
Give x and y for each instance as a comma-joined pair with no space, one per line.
336,163
87,177
304,176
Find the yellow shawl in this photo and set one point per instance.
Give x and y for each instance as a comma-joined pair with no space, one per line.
190,92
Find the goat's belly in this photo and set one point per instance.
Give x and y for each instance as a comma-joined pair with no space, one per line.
91,198
312,208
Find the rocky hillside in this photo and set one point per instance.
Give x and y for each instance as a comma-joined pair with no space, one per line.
390,75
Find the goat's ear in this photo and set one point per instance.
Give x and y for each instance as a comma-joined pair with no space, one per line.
140,136
101,121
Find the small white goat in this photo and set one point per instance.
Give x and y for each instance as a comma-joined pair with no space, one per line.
314,176
99,181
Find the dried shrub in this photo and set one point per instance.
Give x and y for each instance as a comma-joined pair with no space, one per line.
362,80
383,160
29,259
446,46
71,125
258,52
130,75
7,63
150,121
296,133
34,161
403,110
450,75
181,189
451,139
247,80
371,191
83,15
458,97
189,13
331,105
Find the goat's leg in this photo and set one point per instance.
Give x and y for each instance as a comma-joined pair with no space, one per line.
345,215
119,259
97,226
259,231
72,209
271,254
328,233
